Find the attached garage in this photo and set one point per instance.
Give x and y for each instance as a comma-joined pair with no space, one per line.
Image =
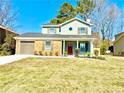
27,47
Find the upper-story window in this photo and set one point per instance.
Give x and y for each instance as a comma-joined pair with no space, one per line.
70,28
83,30
52,30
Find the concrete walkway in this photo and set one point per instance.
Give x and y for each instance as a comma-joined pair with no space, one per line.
12,58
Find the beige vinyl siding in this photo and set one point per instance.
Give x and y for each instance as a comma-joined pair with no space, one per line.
119,46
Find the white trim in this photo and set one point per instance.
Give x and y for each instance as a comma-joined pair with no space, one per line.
77,44
71,39
59,25
75,19
5,28
63,47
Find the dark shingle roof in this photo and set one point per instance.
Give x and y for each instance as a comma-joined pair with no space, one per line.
40,35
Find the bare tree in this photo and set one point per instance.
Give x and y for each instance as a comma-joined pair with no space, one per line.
7,15
105,18
121,28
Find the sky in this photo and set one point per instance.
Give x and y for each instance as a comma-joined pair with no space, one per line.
32,14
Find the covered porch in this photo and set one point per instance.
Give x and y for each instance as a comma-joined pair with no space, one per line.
83,46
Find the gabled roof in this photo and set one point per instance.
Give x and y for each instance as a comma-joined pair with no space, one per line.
66,22
119,36
3,27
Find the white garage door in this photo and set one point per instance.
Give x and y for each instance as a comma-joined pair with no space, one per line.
27,47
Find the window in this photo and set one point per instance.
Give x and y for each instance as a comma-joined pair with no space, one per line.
82,30
70,28
52,30
59,29
48,45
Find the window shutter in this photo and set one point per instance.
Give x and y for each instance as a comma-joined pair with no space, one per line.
86,46
48,30
78,30
86,30
55,30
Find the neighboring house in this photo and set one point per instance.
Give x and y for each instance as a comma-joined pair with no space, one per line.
119,44
4,32
61,38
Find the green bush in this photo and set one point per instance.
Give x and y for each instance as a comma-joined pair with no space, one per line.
103,49
46,54
7,47
36,53
57,53
65,53
96,52
51,53
41,53
3,53
99,57
87,54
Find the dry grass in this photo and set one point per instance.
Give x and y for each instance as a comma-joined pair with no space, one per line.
35,75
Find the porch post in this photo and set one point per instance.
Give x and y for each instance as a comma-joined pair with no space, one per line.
63,47
91,47
77,44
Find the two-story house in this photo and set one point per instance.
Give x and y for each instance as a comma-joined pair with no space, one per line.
65,37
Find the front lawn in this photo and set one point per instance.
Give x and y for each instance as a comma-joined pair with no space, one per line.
35,75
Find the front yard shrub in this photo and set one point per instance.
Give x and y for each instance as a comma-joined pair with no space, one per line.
57,53
51,53
77,52
65,53
36,53
103,49
96,52
87,54
46,54
41,53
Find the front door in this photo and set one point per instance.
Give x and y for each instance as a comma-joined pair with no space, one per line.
69,50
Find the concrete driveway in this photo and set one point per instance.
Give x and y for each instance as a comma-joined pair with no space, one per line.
12,58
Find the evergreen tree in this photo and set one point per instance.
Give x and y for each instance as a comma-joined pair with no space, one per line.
65,13
8,45
85,8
